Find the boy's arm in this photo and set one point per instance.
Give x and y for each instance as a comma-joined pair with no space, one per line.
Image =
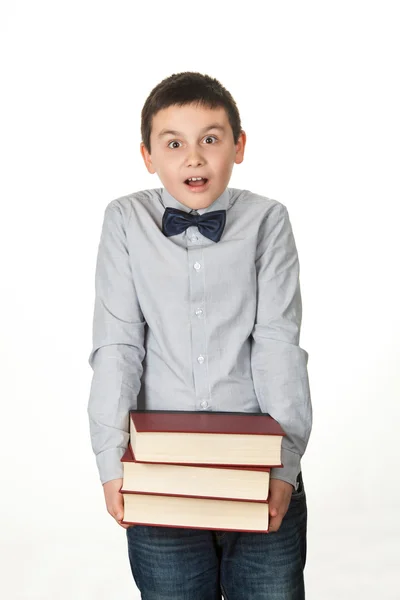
279,364
118,348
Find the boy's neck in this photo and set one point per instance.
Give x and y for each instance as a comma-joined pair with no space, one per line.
222,202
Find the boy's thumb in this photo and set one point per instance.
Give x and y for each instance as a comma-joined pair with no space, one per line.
119,512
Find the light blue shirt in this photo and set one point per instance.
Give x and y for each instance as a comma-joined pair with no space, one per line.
185,323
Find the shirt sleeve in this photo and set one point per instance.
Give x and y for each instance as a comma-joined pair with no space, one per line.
118,348
279,364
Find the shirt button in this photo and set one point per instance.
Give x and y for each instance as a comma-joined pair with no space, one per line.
204,404
199,312
194,238
200,359
197,266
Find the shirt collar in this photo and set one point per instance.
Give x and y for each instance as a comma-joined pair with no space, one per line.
222,202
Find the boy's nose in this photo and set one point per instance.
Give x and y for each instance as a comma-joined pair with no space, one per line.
194,158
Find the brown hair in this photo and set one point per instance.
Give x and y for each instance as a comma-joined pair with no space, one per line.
188,88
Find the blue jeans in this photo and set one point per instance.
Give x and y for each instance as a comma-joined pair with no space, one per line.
195,564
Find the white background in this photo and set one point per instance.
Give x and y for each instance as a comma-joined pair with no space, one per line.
317,86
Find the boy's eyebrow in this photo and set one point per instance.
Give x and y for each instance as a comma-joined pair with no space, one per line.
173,132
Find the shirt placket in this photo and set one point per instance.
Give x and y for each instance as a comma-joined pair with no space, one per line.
198,317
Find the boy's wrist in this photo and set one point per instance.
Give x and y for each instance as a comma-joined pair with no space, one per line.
109,464
291,467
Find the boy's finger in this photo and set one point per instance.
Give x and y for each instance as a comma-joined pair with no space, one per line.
275,517
274,523
119,518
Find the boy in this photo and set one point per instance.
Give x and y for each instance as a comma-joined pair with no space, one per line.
198,307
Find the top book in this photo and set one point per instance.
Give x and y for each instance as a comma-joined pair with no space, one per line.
194,437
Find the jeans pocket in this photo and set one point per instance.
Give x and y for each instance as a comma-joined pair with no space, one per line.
299,492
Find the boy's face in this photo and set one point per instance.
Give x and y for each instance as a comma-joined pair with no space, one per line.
193,141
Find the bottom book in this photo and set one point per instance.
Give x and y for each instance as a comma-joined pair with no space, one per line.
196,513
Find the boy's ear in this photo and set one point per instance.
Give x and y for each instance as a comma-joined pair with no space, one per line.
240,147
147,158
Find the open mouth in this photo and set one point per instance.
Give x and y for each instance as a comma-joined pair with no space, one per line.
197,183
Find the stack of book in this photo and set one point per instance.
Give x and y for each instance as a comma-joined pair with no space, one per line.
205,470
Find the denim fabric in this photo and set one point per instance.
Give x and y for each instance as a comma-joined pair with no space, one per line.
194,564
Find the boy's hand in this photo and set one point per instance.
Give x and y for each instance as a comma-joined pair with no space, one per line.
115,500
280,495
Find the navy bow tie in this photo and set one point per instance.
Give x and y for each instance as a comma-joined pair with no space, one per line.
210,224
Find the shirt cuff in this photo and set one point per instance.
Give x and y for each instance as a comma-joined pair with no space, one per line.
109,464
291,467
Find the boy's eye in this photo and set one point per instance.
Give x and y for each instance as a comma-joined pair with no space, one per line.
176,141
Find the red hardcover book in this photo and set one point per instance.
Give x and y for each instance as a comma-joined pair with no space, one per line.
212,481
195,513
205,422
194,437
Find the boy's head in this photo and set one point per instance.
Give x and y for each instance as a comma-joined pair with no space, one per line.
191,128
